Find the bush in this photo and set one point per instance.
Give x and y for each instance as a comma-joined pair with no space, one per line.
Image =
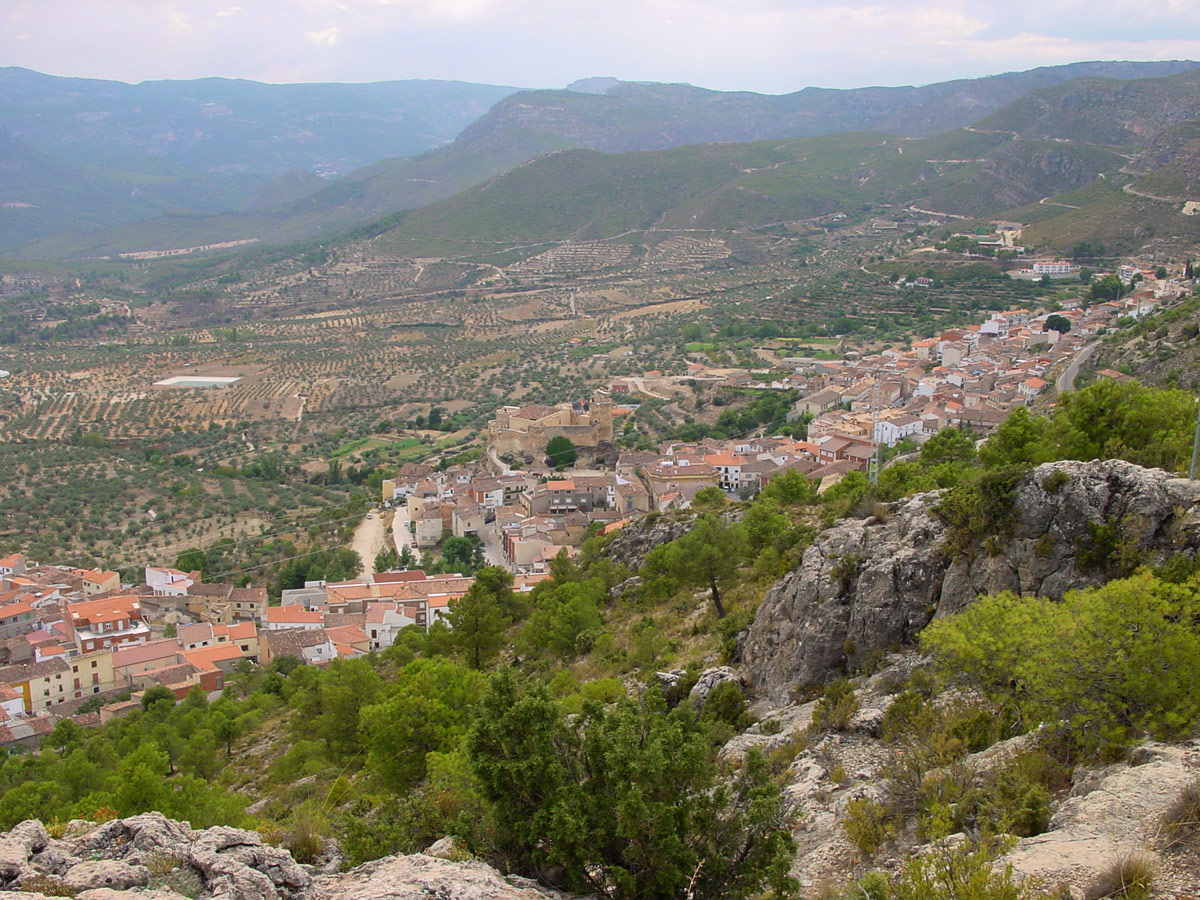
868,824
305,841
1181,821
835,708
1129,878
1055,481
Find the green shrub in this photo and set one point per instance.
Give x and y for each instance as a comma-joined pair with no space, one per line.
305,840
1055,481
725,703
868,824
835,708
962,871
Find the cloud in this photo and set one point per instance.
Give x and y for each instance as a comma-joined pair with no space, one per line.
765,45
327,36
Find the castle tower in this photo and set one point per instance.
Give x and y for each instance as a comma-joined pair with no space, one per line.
602,416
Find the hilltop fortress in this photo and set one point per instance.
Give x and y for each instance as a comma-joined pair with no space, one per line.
525,431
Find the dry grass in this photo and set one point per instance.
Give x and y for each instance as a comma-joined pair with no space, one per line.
1129,878
1181,820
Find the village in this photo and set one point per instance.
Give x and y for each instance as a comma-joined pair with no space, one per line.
79,643
856,410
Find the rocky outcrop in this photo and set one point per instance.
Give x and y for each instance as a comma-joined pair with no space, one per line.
421,877
151,857
869,585
639,537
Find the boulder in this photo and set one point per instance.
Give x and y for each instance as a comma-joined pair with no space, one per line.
708,680
106,873
26,839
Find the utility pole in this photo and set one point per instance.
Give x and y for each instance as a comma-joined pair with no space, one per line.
1195,446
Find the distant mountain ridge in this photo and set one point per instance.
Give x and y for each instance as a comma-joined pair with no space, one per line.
231,124
622,117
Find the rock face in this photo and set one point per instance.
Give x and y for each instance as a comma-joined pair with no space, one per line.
1113,811
639,537
151,857
870,585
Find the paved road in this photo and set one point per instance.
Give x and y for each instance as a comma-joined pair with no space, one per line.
1066,381
401,536
493,553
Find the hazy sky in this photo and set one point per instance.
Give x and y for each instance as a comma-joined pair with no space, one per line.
773,46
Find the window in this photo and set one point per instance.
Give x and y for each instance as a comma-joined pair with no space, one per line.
93,664
96,689
75,669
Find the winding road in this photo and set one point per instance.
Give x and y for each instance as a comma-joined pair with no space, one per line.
1066,381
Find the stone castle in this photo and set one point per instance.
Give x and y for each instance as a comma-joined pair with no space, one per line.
525,431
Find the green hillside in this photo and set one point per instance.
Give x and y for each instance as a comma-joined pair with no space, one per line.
582,194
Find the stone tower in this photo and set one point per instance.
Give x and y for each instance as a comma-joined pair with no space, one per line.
602,416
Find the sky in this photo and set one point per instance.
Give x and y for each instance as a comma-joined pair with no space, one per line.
769,46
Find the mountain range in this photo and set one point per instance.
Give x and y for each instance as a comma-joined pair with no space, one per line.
1050,130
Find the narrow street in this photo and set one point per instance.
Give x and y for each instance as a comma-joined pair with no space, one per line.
401,536
493,552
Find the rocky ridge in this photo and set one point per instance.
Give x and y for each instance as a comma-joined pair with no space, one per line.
870,585
151,857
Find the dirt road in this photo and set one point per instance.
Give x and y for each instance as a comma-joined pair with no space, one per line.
368,540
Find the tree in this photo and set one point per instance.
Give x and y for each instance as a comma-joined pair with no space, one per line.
563,615
461,554
708,557
387,558
1107,288
477,621
560,451
710,498
627,799
156,695
426,710
192,561
1125,420
950,445
1058,323
1019,440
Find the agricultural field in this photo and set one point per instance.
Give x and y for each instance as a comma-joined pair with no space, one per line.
331,360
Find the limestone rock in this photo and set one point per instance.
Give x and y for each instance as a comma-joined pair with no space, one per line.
110,894
18,845
1113,810
236,864
149,833
443,848
106,873
870,585
640,536
420,877
708,680
55,859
